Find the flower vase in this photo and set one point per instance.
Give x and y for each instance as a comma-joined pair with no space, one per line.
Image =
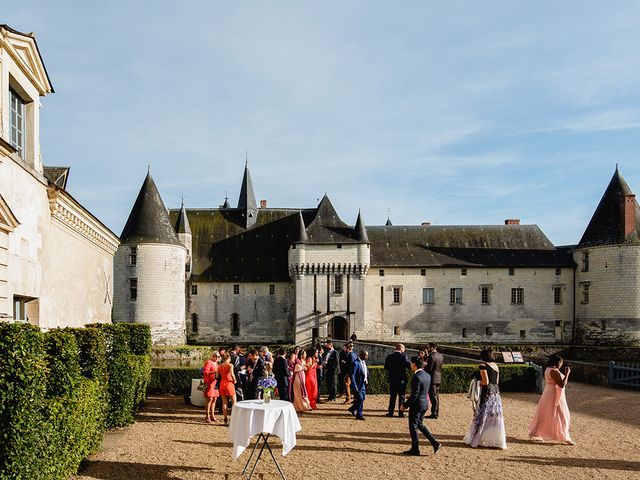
266,396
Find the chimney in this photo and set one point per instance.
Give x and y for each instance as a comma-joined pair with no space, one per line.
512,221
263,204
628,210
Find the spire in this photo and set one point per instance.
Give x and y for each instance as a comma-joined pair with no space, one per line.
182,224
360,231
148,221
247,200
226,203
388,224
617,217
302,230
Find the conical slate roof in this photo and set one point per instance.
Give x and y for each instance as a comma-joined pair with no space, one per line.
327,227
360,231
182,224
247,200
388,224
148,221
302,231
605,227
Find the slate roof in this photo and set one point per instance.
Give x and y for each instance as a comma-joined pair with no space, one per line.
463,245
327,227
148,221
605,227
182,223
57,175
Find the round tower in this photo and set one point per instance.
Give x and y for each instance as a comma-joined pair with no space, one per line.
149,270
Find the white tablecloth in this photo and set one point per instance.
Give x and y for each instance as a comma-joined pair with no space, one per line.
252,417
197,396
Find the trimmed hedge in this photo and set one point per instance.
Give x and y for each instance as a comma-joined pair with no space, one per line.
54,395
455,379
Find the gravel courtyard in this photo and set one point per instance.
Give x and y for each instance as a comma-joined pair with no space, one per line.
170,441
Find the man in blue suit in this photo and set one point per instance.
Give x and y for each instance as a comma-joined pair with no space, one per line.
359,380
417,404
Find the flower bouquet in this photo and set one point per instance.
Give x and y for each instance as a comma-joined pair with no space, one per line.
267,385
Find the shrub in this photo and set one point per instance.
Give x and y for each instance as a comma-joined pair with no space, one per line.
176,381
64,374
92,352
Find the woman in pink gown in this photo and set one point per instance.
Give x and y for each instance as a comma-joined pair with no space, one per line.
311,380
552,418
298,388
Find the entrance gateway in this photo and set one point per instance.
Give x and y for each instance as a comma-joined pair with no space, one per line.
338,328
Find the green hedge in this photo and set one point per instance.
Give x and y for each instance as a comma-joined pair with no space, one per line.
455,379
55,394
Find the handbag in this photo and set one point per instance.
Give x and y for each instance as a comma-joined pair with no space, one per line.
202,387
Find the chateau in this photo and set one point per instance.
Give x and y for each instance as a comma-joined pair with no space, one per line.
252,273
56,258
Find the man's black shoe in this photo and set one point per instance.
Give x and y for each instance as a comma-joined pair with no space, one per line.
359,418
433,417
436,448
413,453
401,415
388,414
352,411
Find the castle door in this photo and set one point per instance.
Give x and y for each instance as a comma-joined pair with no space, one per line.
338,328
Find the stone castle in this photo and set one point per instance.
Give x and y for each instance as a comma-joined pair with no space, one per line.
252,273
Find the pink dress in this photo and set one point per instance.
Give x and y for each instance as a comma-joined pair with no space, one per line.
311,382
551,420
210,370
299,390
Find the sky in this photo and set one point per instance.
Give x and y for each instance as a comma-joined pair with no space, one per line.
427,111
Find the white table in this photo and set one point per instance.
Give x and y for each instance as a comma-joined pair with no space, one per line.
254,417
197,396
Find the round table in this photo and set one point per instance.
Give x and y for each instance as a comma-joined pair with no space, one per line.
254,417
197,396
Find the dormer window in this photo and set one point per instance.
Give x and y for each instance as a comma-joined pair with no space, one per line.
17,122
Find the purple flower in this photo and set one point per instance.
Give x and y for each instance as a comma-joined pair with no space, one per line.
267,382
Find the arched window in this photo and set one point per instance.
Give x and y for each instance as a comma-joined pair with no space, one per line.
194,323
235,325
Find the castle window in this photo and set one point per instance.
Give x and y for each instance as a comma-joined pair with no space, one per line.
455,296
272,289
236,289
337,284
133,256
512,271
485,298
235,325
396,330
463,272
585,293
523,334
585,262
558,271
517,296
488,331
397,295
194,323
423,272
464,333
381,272
428,296
194,289
381,298
133,289
20,309
17,122
557,295
338,245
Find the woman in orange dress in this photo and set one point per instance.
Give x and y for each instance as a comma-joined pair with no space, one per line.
298,389
227,385
552,418
311,378
211,392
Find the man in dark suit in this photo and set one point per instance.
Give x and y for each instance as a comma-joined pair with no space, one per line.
433,368
239,368
330,365
396,365
350,358
359,381
342,370
255,371
417,404
281,373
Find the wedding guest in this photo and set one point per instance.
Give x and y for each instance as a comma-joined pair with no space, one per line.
422,354
330,362
552,418
281,373
342,369
267,359
298,390
227,385
396,365
254,373
417,403
319,369
311,378
211,392
434,368
239,363
348,369
353,337
487,428
359,381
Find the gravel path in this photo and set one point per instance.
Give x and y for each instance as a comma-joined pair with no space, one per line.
169,441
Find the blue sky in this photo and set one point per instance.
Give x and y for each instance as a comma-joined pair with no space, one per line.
448,112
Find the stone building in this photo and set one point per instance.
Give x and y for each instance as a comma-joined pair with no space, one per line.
56,258
253,273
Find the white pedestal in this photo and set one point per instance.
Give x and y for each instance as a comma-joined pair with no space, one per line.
197,397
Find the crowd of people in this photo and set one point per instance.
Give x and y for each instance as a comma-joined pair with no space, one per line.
299,374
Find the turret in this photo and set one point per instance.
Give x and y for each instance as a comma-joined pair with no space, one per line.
247,201
149,269
183,229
